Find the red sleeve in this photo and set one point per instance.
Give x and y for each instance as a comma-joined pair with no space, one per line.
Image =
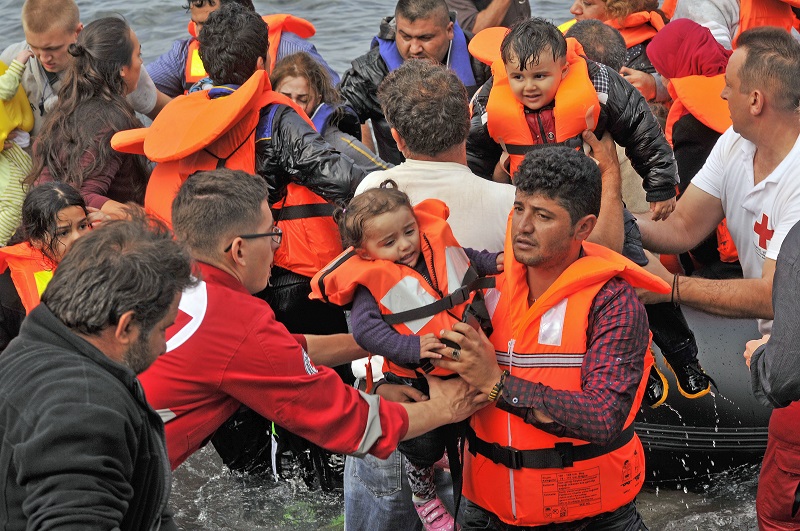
94,188
300,338
272,374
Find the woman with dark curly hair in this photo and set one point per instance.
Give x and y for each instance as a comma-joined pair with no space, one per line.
638,21
74,145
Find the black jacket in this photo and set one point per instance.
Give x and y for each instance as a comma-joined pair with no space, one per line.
625,115
81,448
360,83
288,150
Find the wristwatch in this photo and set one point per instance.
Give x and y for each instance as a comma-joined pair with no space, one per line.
495,392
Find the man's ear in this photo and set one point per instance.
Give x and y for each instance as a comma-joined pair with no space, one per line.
756,102
585,226
450,31
401,144
78,30
127,330
261,64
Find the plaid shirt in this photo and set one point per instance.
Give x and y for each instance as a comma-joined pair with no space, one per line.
617,339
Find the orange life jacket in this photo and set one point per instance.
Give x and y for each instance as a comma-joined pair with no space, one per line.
638,27
195,71
399,288
30,271
668,7
754,13
577,107
196,132
546,343
699,95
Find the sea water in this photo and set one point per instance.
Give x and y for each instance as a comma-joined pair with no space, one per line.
205,495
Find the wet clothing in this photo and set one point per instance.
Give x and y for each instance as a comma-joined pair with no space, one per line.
360,83
169,70
226,349
467,11
81,448
623,112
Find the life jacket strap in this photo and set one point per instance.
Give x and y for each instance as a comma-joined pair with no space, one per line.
459,296
562,455
316,210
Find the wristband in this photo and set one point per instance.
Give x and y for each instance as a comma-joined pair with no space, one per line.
495,392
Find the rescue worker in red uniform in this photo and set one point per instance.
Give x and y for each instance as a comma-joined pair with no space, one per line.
226,349
565,368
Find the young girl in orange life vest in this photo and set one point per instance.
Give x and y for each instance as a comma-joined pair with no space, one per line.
399,259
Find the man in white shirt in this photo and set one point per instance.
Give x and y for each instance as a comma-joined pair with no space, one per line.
748,178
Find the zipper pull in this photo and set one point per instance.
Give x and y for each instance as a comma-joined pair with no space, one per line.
511,343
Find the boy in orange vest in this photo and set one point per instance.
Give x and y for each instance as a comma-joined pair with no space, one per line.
545,91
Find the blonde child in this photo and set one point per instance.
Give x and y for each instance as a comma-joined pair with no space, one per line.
16,119
408,278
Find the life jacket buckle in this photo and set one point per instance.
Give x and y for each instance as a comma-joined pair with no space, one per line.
506,455
459,296
564,450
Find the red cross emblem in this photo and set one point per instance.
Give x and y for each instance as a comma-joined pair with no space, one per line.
764,234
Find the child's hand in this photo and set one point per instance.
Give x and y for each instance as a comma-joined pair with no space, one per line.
23,56
96,217
662,209
427,345
500,261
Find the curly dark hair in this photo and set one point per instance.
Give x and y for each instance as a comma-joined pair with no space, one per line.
563,175
427,104
232,41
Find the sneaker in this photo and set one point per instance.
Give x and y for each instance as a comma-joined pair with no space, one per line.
435,517
693,382
657,388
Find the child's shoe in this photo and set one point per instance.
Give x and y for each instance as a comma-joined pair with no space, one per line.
693,382
657,388
435,516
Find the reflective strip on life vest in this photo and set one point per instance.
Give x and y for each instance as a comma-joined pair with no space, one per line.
408,294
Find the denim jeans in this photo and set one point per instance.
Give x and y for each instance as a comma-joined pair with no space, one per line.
626,518
377,496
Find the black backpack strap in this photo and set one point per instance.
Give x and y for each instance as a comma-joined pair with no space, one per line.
316,210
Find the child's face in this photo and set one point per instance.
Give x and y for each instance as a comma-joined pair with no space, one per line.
536,85
392,236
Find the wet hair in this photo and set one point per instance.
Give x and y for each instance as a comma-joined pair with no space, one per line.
364,207
232,41
301,64
620,9
772,63
601,43
529,38
563,175
413,10
40,210
132,265
40,16
213,207
248,4
427,104
91,107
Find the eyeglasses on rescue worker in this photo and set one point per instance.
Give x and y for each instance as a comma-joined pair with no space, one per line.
276,234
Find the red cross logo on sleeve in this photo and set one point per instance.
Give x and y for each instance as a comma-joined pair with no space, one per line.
764,234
